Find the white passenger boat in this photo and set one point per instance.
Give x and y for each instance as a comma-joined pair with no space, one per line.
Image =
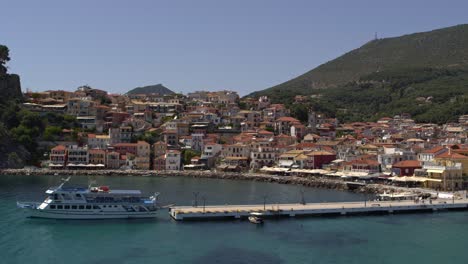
91,203
256,218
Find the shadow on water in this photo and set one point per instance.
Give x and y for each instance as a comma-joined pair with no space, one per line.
87,222
237,255
301,236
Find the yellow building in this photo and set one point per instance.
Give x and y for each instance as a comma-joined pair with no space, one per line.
450,159
143,155
451,177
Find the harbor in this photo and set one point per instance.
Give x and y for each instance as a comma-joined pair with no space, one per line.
230,212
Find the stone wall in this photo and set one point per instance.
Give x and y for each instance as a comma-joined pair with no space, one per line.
10,88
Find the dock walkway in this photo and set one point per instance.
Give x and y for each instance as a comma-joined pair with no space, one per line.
311,209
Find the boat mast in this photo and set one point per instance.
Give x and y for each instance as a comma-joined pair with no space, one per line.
64,181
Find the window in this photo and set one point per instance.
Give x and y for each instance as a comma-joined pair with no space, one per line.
88,207
81,207
59,207
66,207
73,207
52,206
95,207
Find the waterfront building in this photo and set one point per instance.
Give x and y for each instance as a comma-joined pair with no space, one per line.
173,160
125,148
143,155
77,155
263,152
450,176
97,156
113,160
58,156
317,159
450,158
210,152
362,165
406,167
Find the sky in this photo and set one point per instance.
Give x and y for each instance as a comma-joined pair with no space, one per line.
238,45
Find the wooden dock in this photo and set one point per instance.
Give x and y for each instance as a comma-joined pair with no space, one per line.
313,209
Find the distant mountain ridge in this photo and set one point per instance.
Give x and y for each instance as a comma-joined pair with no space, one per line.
446,47
151,89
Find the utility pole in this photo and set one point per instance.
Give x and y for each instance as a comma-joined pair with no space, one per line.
264,202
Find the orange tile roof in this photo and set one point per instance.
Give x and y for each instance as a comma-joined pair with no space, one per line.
408,164
451,155
59,147
287,119
434,150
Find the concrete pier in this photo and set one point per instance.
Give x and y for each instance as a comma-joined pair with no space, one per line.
313,209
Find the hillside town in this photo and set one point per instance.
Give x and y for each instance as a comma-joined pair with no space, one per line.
219,131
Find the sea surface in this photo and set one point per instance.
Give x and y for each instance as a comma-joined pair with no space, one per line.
408,238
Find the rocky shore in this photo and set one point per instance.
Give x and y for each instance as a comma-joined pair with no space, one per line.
314,182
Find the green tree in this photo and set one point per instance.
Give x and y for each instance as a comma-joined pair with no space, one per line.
14,161
4,54
4,58
188,154
300,112
52,133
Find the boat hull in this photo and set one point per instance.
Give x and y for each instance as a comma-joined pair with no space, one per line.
38,213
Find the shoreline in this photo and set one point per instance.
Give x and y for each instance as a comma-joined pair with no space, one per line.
313,182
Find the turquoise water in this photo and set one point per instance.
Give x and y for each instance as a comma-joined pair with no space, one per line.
410,238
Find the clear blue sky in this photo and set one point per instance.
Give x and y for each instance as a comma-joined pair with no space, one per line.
191,45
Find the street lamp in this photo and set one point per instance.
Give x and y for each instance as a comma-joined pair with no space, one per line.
303,202
195,194
204,202
264,202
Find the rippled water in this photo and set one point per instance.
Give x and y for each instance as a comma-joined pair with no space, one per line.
411,238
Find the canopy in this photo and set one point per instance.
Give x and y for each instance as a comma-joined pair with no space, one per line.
268,169
413,179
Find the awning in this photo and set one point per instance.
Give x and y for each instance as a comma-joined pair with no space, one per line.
268,169
413,179
309,171
286,163
435,171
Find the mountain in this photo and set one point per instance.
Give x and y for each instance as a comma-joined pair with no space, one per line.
441,48
151,89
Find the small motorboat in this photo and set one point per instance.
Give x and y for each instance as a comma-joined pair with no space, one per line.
256,218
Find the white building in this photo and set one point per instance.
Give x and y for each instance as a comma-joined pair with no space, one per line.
78,155
173,159
98,141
